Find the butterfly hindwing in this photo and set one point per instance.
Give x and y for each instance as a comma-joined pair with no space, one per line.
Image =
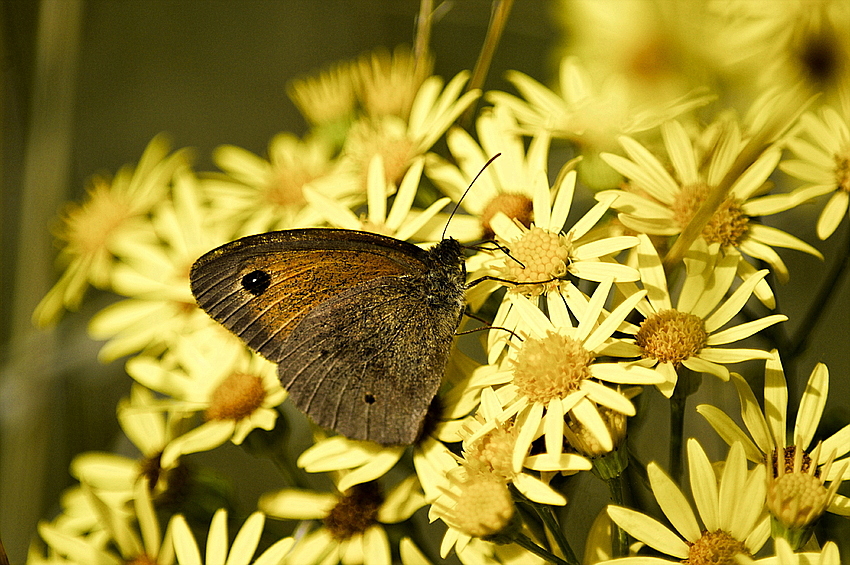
379,388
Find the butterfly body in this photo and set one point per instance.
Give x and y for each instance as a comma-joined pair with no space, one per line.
360,325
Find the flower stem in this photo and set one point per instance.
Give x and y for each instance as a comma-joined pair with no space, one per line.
620,540
548,516
688,384
523,541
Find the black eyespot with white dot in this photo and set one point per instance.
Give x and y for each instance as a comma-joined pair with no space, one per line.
256,282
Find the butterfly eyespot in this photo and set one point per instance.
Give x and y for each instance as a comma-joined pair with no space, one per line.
370,399
256,282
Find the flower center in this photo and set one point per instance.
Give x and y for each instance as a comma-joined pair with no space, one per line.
142,559
797,499
538,256
716,548
728,224
483,508
355,511
386,137
237,397
671,336
285,188
492,453
88,227
551,367
842,170
514,206
789,454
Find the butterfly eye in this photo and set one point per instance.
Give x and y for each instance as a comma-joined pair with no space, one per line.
256,282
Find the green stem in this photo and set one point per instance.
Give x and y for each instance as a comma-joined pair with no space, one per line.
620,541
523,541
548,516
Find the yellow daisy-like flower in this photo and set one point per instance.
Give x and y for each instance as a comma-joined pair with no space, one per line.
806,42
242,549
659,203
387,84
773,440
327,98
554,372
400,141
127,536
688,333
402,222
113,211
582,114
540,257
730,506
154,273
351,531
822,147
257,195
213,373
506,185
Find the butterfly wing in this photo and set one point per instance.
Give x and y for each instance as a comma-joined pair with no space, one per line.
260,287
368,361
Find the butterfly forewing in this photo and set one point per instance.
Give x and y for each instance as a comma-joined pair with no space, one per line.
292,272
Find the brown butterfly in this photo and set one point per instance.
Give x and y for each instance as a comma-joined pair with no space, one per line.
359,324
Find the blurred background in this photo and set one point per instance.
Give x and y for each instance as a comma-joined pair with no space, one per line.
86,84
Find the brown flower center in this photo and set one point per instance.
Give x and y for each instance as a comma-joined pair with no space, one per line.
355,511
671,336
716,548
728,224
237,397
514,206
842,170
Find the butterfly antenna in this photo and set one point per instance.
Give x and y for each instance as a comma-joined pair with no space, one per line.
462,196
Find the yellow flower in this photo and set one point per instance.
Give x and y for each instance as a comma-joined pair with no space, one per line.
508,183
212,372
580,113
327,98
687,334
257,195
113,212
806,42
828,555
554,372
659,203
822,146
731,508
241,550
773,440
399,141
352,522
154,274
387,84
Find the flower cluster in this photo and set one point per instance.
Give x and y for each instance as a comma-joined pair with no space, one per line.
607,285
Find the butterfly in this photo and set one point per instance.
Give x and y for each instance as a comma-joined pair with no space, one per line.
359,324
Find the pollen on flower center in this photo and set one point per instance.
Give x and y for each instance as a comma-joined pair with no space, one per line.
796,499
538,255
551,367
286,187
88,227
842,170
483,508
514,206
237,397
716,548
355,511
671,336
728,224
492,453
385,137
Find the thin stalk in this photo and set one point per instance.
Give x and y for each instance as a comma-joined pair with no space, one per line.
423,32
548,516
498,18
523,541
620,539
